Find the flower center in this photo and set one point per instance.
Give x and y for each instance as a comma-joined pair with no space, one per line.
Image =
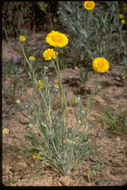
100,64
89,4
57,38
51,54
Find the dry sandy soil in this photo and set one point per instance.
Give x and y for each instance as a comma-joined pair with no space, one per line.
112,146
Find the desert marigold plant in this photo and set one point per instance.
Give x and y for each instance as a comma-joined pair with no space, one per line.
89,5
49,54
100,64
51,139
22,38
57,39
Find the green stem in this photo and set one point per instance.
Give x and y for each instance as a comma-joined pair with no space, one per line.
60,84
63,98
35,83
48,111
90,101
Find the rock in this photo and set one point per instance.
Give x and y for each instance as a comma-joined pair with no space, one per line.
118,139
65,180
23,120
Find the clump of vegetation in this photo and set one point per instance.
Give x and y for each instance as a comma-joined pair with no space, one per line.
98,30
97,38
51,139
115,121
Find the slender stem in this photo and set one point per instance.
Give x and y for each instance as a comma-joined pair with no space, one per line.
46,108
26,57
63,99
35,83
59,80
54,66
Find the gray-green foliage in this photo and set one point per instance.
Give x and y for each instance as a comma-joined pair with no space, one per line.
115,120
15,15
63,147
84,75
94,33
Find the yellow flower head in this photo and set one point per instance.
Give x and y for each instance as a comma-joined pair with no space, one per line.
121,15
5,131
41,84
57,86
122,21
49,54
36,157
18,101
22,38
69,141
31,58
74,100
30,125
57,39
100,64
89,5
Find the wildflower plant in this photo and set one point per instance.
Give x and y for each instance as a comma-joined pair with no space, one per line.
50,137
96,29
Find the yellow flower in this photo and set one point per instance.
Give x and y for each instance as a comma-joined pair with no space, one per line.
41,84
70,141
49,54
22,38
74,100
89,5
18,101
122,21
31,58
30,125
36,157
100,64
57,39
121,15
57,86
5,131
